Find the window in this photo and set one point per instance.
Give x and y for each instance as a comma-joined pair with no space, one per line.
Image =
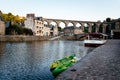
36,26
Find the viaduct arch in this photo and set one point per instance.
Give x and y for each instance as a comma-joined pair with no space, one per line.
89,24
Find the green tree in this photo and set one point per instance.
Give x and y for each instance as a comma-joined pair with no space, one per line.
59,29
0,13
86,29
101,28
22,19
16,19
10,17
18,30
108,19
27,31
93,27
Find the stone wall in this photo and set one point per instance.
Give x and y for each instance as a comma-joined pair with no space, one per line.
17,38
2,28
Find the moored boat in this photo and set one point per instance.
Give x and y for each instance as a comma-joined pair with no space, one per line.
95,40
61,65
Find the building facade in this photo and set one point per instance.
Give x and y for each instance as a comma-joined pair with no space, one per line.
2,26
70,31
38,27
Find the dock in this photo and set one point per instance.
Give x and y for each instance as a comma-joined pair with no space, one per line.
103,63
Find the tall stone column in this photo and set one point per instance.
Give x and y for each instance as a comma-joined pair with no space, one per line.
74,24
97,27
104,28
57,23
82,26
48,23
117,25
66,23
90,28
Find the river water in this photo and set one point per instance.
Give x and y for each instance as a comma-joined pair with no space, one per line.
31,60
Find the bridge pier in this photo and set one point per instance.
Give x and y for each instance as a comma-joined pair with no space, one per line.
97,27
90,28
104,28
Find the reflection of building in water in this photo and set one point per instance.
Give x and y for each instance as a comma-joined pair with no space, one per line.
2,26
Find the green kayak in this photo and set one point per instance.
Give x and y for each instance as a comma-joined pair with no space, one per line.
61,65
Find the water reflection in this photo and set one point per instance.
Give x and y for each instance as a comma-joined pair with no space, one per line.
31,60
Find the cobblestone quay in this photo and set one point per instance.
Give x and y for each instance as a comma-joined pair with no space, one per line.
101,64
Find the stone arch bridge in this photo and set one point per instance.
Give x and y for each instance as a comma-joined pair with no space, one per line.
83,24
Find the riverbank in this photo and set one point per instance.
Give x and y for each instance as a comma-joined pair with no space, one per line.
18,38
101,64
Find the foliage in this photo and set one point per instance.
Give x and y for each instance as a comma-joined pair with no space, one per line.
108,19
59,28
14,27
101,28
27,31
18,30
13,18
93,28
86,29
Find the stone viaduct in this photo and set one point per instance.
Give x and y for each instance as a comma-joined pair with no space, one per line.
83,24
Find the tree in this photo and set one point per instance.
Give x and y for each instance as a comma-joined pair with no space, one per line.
108,19
93,27
86,29
15,19
18,30
59,28
0,12
27,31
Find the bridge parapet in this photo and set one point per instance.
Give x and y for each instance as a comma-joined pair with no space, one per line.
66,22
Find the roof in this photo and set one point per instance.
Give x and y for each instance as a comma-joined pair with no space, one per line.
96,34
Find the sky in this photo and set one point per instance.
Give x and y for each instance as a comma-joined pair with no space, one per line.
83,10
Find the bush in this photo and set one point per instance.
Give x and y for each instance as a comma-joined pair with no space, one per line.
18,30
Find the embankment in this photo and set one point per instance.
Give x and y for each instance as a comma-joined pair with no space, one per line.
103,63
17,38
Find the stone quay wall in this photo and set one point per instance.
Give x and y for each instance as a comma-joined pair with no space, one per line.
18,38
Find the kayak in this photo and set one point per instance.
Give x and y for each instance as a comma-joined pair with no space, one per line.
61,65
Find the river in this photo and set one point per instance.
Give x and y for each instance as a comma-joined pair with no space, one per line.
31,60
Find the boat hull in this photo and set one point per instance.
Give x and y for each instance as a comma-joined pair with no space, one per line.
94,43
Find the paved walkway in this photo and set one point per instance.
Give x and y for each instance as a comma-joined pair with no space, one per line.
101,64
56,37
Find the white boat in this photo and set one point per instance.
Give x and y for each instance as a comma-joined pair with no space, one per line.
95,39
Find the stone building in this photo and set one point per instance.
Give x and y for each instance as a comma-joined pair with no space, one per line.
2,26
54,30
70,31
29,22
38,27
116,32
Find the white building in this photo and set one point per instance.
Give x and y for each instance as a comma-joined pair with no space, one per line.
29,22
39,28
54,30
37,25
